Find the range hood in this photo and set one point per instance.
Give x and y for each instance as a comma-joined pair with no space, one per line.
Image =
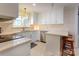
5,18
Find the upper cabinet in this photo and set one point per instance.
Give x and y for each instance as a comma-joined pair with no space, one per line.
8,10
58,14
53,16
34,18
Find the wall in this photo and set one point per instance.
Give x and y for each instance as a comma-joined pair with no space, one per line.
78,24
71,21
6,26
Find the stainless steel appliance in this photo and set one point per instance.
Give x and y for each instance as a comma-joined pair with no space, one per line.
43,36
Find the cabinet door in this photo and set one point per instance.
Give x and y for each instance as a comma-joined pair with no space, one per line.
52,19
35,36
59,15
53,44
53,16
43,18
28,34
19,50
34,18
9,9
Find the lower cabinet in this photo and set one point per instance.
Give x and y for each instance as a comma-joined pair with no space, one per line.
19,50
33,35
28,34
53,44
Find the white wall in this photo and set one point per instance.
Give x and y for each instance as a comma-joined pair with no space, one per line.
70,21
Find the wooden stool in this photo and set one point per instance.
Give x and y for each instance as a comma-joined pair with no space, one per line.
67,46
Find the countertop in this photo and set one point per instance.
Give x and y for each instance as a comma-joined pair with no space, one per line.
10,32
14,32
13,43
54,32
59,33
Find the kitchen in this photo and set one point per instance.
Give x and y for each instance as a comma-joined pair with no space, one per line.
36,21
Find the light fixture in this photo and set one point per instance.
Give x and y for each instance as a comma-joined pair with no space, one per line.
34,4
24,12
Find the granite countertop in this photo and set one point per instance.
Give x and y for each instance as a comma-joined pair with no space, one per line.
13,43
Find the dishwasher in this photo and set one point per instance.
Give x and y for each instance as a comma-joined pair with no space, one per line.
43,36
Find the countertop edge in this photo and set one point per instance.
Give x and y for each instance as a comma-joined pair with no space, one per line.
13,43
56,34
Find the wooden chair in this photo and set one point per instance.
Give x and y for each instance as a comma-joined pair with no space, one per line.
67,46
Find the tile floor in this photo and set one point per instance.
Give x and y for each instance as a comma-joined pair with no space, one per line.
40,50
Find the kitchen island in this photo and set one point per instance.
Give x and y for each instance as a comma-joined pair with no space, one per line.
17,47
53,39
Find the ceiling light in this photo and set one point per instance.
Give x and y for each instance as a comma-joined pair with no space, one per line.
34,4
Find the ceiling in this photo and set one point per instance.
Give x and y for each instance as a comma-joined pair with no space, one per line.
42,7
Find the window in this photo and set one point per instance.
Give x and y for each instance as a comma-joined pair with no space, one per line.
21,22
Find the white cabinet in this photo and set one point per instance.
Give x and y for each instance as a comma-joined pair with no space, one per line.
28,34
53,16
34,18
57,14
20,50
9,9
35,36
53,44
43,18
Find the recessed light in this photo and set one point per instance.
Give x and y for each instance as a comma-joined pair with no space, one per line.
34,4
